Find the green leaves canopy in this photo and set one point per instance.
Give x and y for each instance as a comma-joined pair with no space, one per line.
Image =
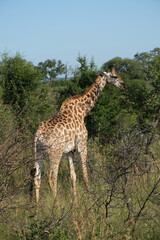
51,69
19,80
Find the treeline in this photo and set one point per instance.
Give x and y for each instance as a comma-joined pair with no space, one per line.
33,91
123,156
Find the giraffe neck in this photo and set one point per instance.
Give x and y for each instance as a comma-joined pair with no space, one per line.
86,101
89,98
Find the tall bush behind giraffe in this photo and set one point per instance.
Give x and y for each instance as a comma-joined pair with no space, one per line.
22,89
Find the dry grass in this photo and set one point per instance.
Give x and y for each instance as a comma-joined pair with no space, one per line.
123,202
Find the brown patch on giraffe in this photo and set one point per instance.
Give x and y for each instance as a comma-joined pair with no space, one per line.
70,115
69,120
67,126
80,117
70,126
88,102
79,110
71,108
65,112
81,128
59,125
75,110
84,98
77,124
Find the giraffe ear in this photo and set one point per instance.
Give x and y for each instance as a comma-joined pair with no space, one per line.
113,71
111,68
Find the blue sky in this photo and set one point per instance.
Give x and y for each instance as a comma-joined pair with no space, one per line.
102,29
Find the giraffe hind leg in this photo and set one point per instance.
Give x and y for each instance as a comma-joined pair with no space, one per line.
73,176
37,177
53,173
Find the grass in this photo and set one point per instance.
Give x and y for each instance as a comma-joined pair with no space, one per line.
123,202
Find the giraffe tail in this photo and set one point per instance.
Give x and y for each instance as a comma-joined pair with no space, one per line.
31,186
32,173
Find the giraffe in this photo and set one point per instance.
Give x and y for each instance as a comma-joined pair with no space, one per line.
65,132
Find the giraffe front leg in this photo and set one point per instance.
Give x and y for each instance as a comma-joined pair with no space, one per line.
53,174
83,157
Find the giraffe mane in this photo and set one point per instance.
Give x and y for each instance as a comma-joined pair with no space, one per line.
66,101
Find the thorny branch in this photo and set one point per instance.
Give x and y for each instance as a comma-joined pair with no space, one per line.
138,215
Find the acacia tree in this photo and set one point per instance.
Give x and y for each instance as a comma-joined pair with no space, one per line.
52,68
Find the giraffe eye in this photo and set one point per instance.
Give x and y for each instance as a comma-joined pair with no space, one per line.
113,76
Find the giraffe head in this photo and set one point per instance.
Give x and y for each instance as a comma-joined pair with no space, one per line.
113,78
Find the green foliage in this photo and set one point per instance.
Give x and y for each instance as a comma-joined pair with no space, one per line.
21,88
102,120
41,106
154,77
19,80
142,96
127,68
83,77
41,230
7,121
